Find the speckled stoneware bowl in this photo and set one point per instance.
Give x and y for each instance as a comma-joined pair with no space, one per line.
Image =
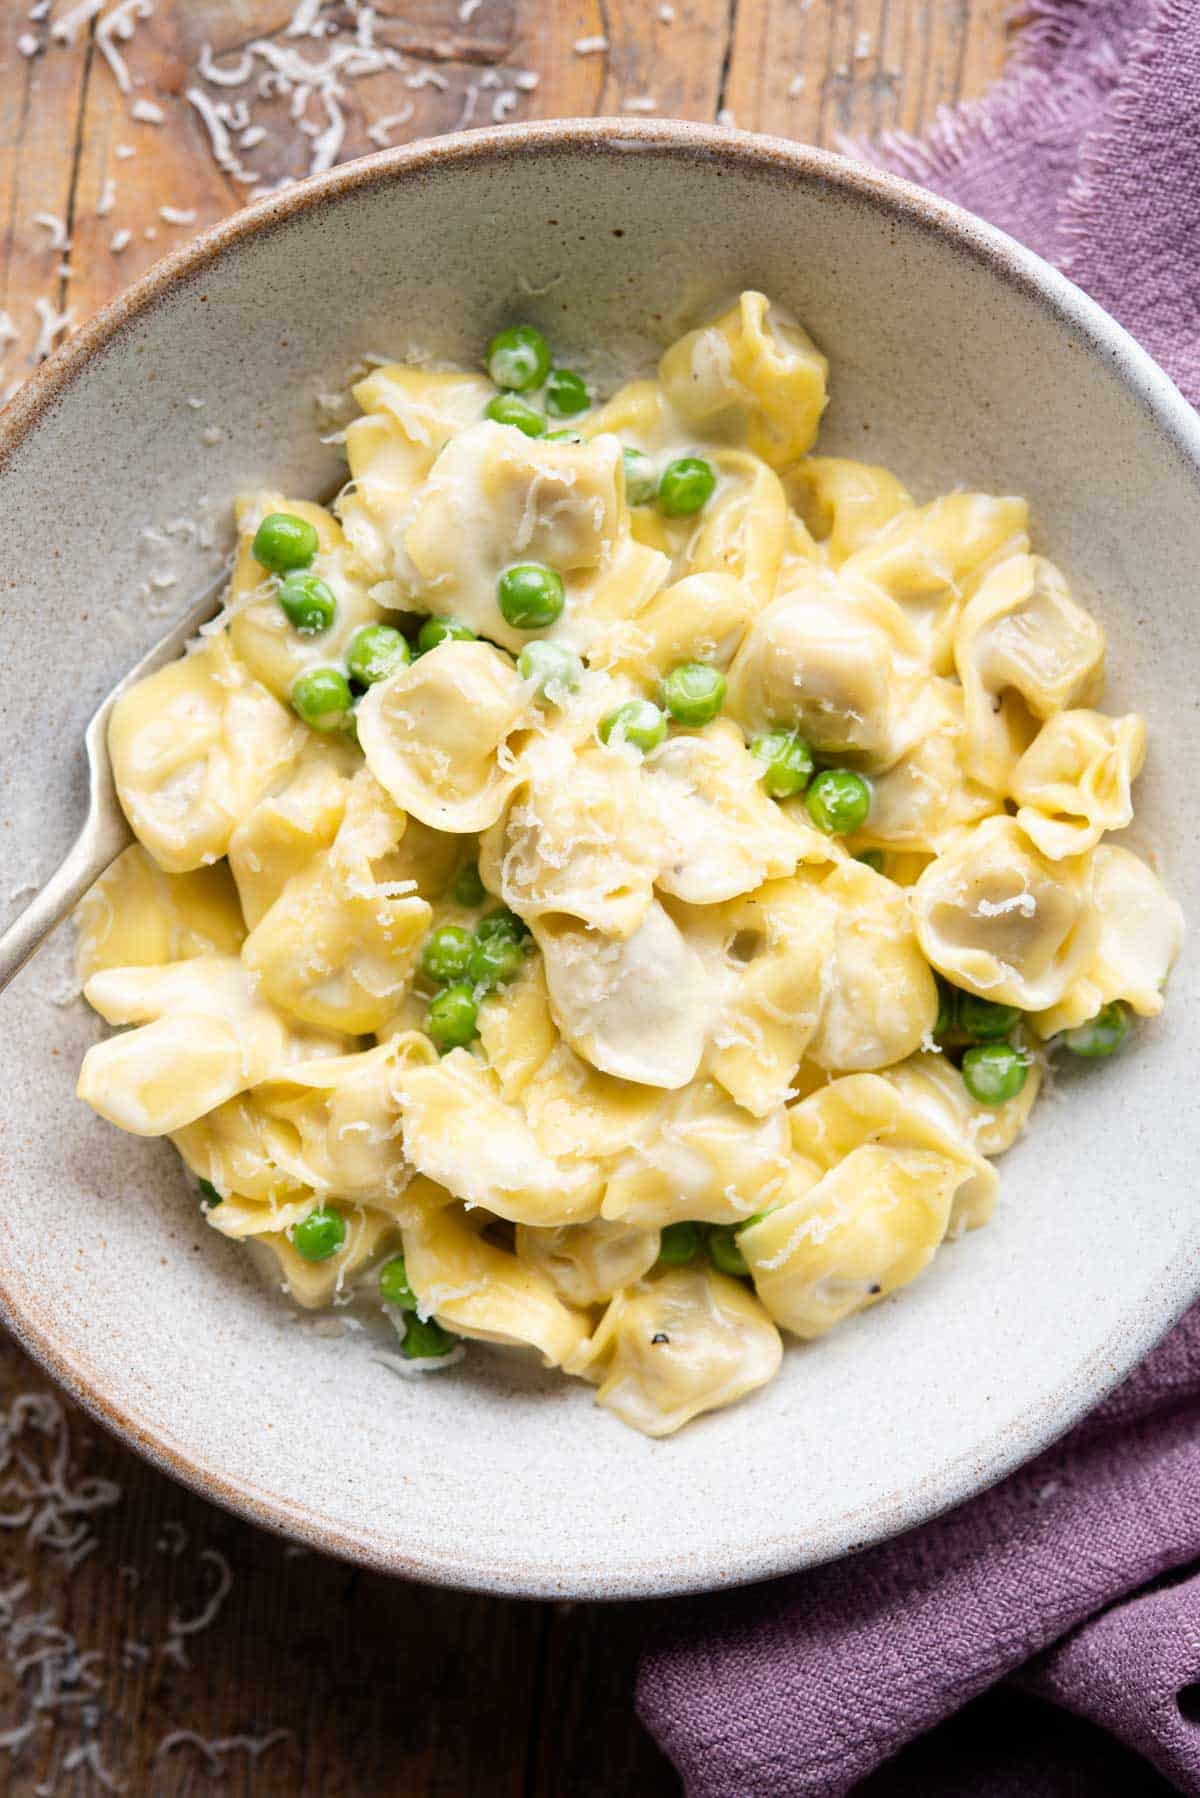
956,358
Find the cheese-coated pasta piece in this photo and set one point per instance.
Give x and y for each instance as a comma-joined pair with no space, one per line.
138,917
1022,634
637,1008
460,1133
766,955
588,1263
238,1149
479,1290
1140,932
880,997
994,916
844,504
516,1030
409,416
204,1034
580,838
444,736
339,1122
930,561
720,834
495,497
339,947
839,667
932,1083
676,1344
743,528
869,1226
754,375
700,619
925,797
193,749
708,1160
298,817
1075,780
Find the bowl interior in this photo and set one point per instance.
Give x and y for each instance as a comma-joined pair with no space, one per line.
954,363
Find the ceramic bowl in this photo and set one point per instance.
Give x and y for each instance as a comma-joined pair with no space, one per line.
957,358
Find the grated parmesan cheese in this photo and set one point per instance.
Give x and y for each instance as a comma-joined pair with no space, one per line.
121,23
53,324
639,103
147,112
380,132
27,44
120,240
590,46
50,221
177,215
108,198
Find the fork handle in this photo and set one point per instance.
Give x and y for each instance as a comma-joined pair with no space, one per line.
97,846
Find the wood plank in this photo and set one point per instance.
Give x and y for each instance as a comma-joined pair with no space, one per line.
857,68
381,1686
40,110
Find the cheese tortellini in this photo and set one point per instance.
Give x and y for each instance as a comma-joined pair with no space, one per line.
609,883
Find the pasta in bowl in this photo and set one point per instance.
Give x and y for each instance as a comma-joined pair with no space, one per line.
610,884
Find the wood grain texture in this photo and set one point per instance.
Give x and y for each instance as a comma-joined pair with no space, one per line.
378,1687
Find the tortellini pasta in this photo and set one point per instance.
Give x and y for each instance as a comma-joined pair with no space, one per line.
677,1344
1000,920
193,748
608,891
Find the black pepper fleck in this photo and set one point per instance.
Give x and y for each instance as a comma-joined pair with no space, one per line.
660,1336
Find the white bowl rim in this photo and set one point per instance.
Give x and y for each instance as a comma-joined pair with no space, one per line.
1012,263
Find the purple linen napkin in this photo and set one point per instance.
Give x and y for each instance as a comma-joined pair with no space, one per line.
1079,1575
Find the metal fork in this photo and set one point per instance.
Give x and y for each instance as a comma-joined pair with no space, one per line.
105,830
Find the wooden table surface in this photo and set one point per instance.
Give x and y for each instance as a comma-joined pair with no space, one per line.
125,1663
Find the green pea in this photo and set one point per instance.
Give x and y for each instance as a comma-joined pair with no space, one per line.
451,1019
468,889
530,596
446,953
678,1244
283,542
563,437
994,1073
494,962
694,693
725,1253
322,698
637,722
442,630
787,762
641,479
946,1023
210,1195
985,1022
501,922
394,1288
375,652
320,1234
873,859
507,409
838,801
425,1339
518,358
307,603
555,668
685,486
566,393
1101,1035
